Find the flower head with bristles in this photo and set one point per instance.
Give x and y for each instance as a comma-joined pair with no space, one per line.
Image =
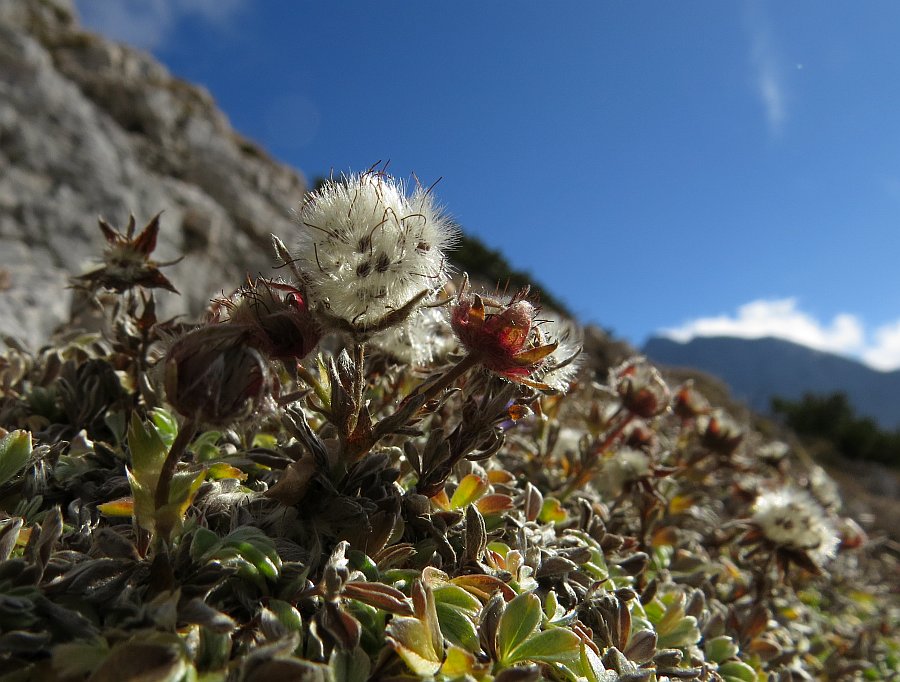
367,247
792,521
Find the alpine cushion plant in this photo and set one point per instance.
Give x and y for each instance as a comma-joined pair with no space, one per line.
350,474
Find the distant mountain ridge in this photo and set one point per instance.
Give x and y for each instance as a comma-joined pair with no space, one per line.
759,369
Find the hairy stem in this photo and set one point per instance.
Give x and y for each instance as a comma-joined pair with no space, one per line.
167,472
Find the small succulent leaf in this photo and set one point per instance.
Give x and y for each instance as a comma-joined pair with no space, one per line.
592,667
205,446
470,488
683,634
144,503
198,612
122,507
737,671
349,665
494,504
458,628
720,649
556,645
286,614
641,646
77,659
15,449
221,470
166,425
461,664
552,511
261,555
184,488
147,452
483,586
378,595
458,598
441,501
203,543
520,619
412,641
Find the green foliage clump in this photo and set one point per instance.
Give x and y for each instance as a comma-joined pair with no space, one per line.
831,418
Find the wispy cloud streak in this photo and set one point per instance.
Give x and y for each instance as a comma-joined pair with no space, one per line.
767,77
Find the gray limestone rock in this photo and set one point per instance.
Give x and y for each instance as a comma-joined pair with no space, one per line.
89,128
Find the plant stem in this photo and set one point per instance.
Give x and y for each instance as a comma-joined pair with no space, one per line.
429,390
167,472
588,470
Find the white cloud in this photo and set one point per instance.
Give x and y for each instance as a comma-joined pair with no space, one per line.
844,334
885,352
768,76
149,24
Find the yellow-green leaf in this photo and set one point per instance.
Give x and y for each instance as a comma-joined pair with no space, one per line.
15,449
221,470
469,489
122,507
411,639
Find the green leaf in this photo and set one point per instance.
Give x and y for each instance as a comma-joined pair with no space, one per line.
15,449
521,617
737,671
458,627
204,541
457,597
205,446
350,666
147,452
556,645
683,634
721,649
287,615
412,641
469,489
552,511
166,425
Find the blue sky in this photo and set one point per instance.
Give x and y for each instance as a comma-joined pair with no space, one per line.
695,167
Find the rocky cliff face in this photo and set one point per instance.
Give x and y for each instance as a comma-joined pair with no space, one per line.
88,128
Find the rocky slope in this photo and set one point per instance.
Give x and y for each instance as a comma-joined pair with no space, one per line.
88,128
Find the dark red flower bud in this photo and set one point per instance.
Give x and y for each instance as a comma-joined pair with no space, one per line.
720,433
689,403
641,388
280,322
213,376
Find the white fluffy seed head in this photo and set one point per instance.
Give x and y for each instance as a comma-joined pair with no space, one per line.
366,247
562,365
423,339
626,466
791,518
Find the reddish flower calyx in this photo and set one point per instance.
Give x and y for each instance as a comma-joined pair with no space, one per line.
506,342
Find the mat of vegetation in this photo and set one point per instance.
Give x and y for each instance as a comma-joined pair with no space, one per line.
360,471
